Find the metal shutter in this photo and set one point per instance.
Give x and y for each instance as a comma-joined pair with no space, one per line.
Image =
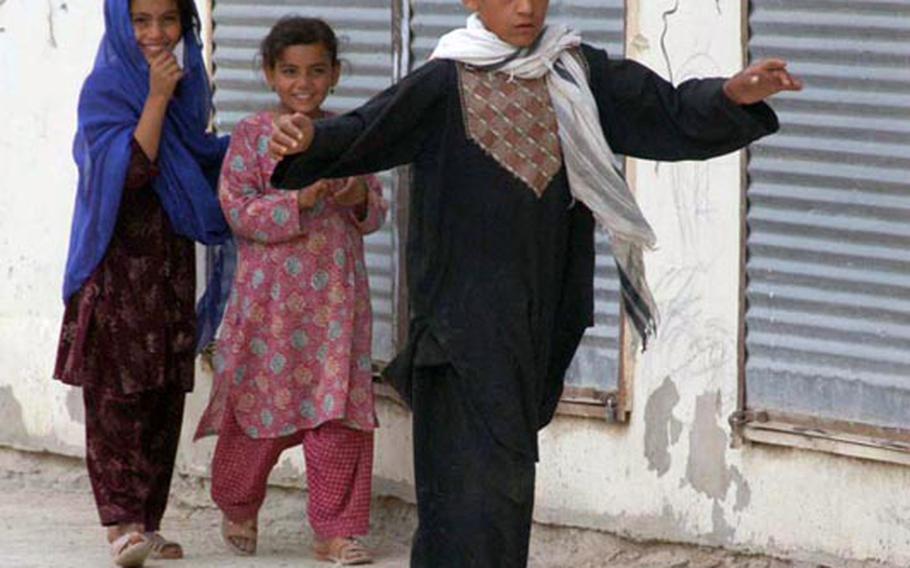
364,29
828,320
601,22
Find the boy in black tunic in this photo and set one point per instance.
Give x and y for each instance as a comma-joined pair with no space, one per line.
510,129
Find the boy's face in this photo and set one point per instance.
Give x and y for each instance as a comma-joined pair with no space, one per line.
517,22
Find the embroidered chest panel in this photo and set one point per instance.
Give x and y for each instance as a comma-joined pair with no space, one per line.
514,122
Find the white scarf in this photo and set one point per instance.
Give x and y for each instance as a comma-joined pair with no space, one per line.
593,178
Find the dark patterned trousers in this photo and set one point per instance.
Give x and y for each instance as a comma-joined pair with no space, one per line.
131,445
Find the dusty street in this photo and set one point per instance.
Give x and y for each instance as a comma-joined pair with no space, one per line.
47,519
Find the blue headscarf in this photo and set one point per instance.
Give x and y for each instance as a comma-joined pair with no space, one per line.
189,159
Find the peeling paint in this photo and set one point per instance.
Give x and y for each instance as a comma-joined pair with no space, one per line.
14,431
641,43
662,429
722,532
743,491
75,405
707,470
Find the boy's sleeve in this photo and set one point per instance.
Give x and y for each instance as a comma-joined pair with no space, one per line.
252,210
644,116
387,131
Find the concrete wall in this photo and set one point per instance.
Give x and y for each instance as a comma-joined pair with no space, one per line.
669,474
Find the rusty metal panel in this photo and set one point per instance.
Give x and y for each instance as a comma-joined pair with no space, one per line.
602,24
365,31
828,317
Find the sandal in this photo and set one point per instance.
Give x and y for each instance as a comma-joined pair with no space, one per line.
162,548
130,550
240,531
343,551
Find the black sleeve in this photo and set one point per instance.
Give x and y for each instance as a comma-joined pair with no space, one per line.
388,130
646,117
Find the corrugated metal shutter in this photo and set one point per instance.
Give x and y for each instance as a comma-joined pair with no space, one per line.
364,27
601,23
828,321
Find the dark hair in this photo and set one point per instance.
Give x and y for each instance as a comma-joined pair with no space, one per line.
296,30
189,19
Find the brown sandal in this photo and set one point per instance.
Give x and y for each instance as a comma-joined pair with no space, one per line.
162,548
240,531
343,551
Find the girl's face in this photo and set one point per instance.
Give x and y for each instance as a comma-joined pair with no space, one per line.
156,24
302,77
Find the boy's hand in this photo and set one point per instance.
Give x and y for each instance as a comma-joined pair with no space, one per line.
164,74
759,81
353,193
291,134
308,196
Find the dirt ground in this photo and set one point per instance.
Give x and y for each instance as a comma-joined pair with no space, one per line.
47,519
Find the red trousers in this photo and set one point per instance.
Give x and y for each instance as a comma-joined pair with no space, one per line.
339,471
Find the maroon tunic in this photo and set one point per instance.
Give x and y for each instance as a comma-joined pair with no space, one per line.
131,327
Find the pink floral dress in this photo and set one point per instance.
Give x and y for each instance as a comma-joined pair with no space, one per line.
294,350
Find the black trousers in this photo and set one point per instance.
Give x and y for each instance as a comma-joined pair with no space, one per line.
474,497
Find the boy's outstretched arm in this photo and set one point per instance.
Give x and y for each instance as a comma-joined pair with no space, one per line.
387,131
645,116
760,81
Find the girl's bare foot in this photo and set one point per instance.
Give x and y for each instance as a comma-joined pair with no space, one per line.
342,550
239,537
116,531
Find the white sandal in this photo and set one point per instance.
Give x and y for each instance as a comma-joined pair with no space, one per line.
162,548
129,553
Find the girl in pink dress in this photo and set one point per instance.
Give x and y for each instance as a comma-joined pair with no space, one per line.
293,361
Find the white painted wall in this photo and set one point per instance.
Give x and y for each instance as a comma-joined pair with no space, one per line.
46,49
669,474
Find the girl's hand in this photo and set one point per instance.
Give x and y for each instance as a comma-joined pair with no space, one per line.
352,194
759,81
291,134
164,74
308,196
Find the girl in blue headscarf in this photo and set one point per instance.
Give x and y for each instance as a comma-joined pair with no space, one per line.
147,175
